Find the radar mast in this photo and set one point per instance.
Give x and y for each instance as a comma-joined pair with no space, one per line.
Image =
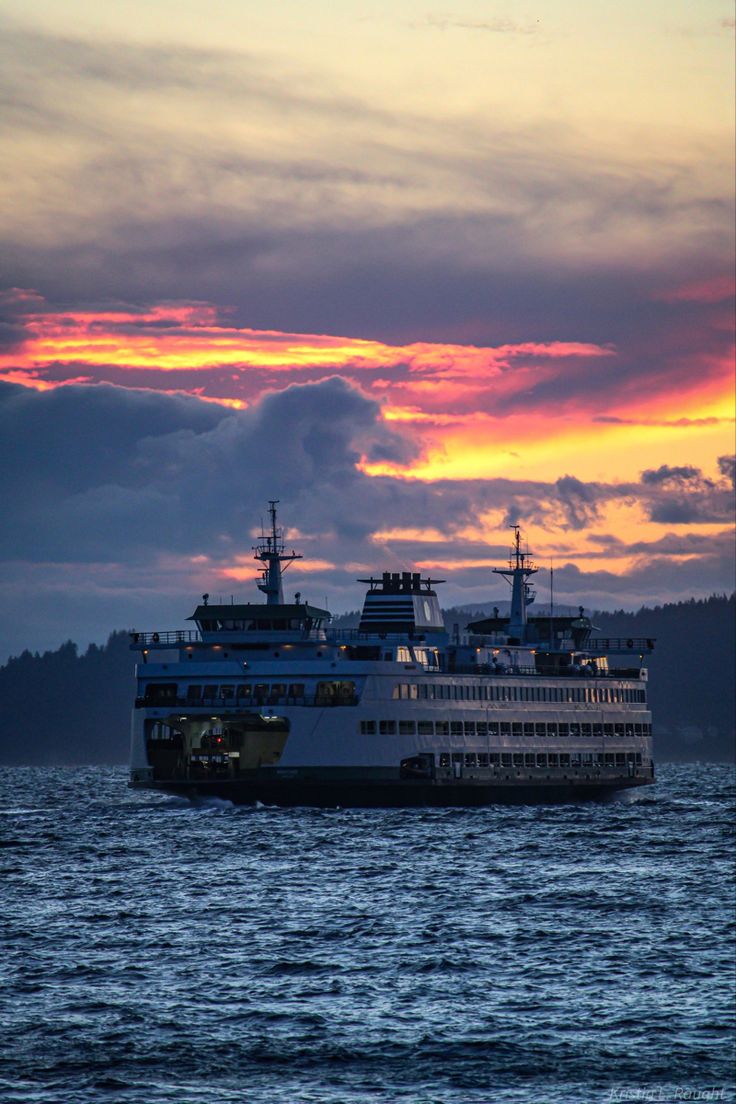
270,551
522,595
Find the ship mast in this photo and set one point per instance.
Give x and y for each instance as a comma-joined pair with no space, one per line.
270,551
519,569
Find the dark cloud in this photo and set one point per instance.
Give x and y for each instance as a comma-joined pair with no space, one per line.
668,475
727,468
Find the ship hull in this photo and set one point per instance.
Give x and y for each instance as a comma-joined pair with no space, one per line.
325,792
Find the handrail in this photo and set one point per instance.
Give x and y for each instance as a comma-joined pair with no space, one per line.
172,636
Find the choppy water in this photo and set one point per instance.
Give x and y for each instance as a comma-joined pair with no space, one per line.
156,951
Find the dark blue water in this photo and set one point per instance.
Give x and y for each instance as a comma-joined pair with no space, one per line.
156,951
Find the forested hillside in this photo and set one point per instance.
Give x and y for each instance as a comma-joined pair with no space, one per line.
62,707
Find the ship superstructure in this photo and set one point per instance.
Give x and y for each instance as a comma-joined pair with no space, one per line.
265,702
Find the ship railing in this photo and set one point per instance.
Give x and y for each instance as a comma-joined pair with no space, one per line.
505,671
346,636
164,639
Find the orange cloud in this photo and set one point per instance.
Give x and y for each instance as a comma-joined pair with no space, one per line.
531,408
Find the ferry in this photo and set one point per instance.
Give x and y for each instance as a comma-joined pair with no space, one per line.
265,702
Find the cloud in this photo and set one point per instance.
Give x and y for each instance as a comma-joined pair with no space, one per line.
130,502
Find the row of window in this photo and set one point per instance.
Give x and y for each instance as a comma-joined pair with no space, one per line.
540,759
547,729
259,693
412,691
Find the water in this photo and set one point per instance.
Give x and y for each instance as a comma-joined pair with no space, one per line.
157,951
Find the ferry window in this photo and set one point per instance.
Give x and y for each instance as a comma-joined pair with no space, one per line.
244,691
609,759
482,728
403,655
425,728
260,692
505,728
367,728
620,759
599,758
407,728
597,731
575,759
637,730
638,758
587,730
552,759
629,731
493,728
209,692
470,728
387,728
529,759
619,730
540,728
587,758
552,729
541,759
482,758
194,693
564,759
442,728
387,657
564,730
396,692
413,691
574,730
518,759
516,728
494,758
456,728
444,759
423,688
528,728
506,759
278,690
457,757
608,730
296,690
227,692
470,759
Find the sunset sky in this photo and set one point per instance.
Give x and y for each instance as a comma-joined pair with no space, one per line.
418,272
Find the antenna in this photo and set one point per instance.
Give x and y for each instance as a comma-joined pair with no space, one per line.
551,603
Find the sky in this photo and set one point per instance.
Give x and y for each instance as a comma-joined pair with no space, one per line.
419,273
